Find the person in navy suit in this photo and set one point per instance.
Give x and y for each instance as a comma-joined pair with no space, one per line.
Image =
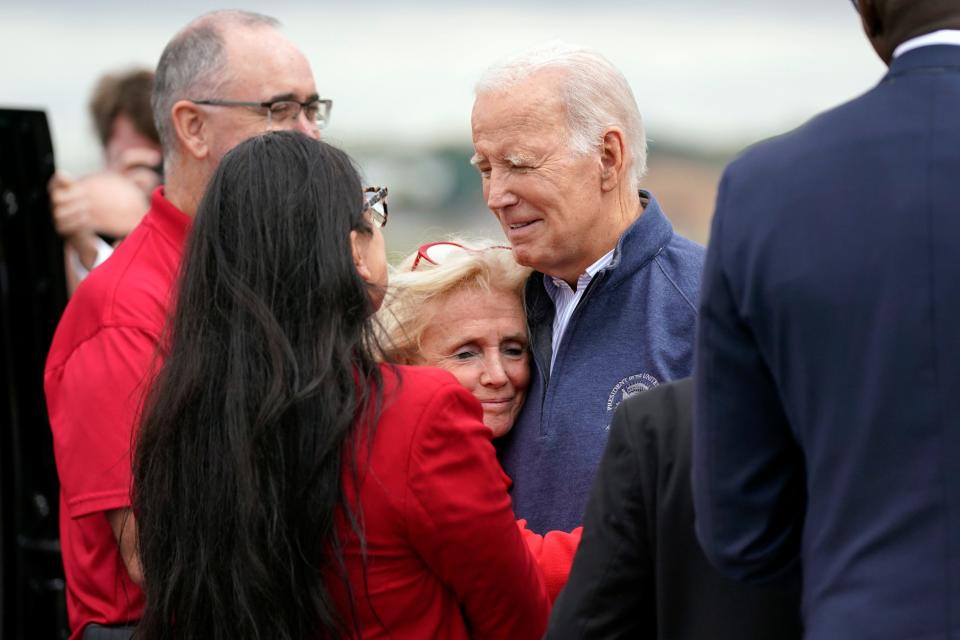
827,420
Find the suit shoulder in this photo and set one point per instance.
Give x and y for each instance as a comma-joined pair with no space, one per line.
772,154
427,407
658,410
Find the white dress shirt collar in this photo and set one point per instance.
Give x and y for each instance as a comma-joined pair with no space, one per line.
587,275
944,36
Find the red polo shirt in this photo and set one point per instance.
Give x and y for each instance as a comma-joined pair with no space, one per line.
101,356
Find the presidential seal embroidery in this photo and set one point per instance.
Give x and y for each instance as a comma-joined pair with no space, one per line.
629,386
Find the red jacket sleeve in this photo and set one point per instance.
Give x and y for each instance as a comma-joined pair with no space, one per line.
461,521
554,553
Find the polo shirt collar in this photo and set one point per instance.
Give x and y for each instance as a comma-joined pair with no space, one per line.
173,224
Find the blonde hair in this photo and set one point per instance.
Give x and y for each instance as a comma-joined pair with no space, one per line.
412,295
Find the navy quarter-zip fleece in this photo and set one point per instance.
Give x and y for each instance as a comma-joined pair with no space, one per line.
633,329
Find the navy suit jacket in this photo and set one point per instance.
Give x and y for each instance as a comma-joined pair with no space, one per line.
639,572
827,435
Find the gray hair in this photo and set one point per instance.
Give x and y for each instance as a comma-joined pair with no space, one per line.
594,93
194,61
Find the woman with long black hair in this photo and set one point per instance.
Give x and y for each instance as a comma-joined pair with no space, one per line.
285,484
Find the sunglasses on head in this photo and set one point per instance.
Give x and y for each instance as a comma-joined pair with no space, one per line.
436,252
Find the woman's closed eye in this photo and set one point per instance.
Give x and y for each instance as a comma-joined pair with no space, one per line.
514,350
463,354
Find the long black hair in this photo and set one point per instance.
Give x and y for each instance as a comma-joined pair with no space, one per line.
268,371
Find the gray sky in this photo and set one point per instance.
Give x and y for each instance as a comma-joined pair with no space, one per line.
705,73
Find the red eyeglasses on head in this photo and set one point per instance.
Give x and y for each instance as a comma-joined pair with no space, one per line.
436,252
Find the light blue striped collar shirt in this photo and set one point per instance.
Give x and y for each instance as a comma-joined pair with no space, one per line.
565,299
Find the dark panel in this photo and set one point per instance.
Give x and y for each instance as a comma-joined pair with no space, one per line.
32,297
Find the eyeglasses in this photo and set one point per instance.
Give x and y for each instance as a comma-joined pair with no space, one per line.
436,252
282,112
376,202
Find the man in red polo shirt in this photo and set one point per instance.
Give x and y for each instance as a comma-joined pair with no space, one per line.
225,77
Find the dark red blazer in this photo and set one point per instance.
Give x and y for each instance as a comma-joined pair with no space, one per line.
444,555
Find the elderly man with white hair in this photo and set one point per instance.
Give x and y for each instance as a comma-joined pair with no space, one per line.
561,148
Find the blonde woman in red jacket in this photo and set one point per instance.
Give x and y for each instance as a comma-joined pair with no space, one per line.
287,485
458,306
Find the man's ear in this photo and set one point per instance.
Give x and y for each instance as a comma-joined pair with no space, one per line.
358,244
612,157
189,124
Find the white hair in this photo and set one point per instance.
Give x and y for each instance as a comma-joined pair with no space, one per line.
194,61
594,93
